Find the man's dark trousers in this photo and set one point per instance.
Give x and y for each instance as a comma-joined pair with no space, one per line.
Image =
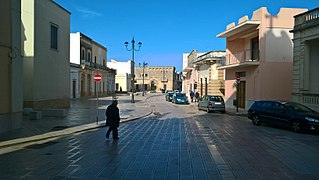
114,132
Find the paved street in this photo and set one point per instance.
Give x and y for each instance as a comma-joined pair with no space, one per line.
176,142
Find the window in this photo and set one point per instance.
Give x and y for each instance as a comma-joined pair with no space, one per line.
254,49
277,106
240,74
89,56
54,37
83,54
267,105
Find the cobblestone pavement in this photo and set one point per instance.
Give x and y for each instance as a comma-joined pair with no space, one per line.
83,111
177,142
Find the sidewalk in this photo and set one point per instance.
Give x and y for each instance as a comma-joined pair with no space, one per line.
229,111
81,116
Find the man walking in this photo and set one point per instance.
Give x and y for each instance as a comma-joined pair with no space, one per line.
192,95
113,120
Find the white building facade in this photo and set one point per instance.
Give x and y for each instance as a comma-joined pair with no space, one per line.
123,75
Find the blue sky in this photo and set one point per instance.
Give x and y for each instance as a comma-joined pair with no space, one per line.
167,28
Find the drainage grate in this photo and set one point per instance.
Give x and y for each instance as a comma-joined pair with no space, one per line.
41,146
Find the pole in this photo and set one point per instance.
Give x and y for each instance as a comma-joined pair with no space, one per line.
97,103
237,84
143,79
133,75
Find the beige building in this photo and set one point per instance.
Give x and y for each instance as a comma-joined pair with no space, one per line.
11,67
210,80
305,60
156,78
88,58
46,29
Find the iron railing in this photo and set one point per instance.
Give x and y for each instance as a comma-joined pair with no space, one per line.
247,55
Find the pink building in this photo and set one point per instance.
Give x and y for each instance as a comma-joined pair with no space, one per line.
190,74
259,53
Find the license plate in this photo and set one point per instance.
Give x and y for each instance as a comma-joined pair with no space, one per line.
218,103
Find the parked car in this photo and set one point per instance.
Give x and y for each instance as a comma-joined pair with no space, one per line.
287,114
180,98
169,96
212,103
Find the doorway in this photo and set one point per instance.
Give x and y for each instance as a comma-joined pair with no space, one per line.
241,94
74,89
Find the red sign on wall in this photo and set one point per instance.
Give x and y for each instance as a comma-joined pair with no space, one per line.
97,77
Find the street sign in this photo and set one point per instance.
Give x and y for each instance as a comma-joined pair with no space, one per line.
97,77
237,78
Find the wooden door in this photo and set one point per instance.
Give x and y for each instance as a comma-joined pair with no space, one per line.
241,94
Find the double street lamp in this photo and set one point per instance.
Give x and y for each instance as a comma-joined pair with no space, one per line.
144,64
132,71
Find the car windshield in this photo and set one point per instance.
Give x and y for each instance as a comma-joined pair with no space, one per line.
298,107
216,99
180,95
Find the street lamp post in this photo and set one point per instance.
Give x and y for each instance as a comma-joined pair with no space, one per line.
144,64
132,71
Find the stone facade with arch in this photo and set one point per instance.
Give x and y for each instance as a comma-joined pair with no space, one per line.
156,78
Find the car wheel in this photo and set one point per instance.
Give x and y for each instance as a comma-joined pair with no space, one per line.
296,126
256,120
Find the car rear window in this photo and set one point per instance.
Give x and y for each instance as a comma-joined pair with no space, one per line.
216,98
180,95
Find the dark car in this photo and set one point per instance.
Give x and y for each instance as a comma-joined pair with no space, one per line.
169,96
287,114
180,98
212,103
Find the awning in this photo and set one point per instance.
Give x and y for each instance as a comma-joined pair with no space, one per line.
239,28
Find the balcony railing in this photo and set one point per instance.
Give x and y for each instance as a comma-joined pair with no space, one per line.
308,16
310,98
94,65
307,19
247,55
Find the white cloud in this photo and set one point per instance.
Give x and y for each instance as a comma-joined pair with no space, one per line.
87,12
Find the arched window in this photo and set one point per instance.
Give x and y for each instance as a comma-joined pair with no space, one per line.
83,54
89,56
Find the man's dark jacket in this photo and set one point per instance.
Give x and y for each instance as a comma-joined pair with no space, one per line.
113,115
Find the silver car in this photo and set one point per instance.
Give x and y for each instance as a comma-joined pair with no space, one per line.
211,103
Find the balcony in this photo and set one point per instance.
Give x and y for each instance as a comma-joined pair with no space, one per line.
307,20
211,57
244,58
93,65
164,80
